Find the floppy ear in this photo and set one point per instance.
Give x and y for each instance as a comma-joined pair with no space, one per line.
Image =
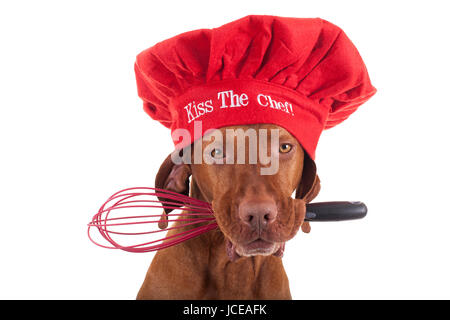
172,177
308,187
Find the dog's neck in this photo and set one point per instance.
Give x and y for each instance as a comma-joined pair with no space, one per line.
201,269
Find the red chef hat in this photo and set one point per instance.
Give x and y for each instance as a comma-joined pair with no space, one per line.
304,75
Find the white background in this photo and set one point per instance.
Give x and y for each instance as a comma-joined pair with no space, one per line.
73,131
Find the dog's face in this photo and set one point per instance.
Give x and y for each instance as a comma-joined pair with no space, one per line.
255,211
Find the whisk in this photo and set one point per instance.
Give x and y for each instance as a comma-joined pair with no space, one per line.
192,218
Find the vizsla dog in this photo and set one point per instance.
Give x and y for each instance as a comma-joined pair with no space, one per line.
256,216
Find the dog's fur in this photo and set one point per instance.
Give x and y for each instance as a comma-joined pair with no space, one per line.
222,264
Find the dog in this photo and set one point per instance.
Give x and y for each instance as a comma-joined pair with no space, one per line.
256,215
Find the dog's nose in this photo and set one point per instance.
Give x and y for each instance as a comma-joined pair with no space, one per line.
258,214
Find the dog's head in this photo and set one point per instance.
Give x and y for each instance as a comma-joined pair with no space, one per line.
255,211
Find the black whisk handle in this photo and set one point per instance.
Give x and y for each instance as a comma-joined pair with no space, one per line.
335,211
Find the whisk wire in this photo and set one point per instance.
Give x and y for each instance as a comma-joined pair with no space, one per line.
193,212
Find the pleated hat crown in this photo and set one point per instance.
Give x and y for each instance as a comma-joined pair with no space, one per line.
302,74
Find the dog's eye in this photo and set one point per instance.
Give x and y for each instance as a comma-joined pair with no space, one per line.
285,148
217,153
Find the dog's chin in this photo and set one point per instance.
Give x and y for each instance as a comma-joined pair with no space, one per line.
258,247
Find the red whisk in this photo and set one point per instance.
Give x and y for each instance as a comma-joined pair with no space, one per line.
193,218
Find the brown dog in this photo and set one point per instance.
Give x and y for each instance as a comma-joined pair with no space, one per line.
256,216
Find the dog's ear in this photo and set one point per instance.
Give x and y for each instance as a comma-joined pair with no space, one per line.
308,187
172,177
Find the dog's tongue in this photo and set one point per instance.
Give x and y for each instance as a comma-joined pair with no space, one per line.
233,255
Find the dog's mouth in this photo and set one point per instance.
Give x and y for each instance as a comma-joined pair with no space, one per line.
255,247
